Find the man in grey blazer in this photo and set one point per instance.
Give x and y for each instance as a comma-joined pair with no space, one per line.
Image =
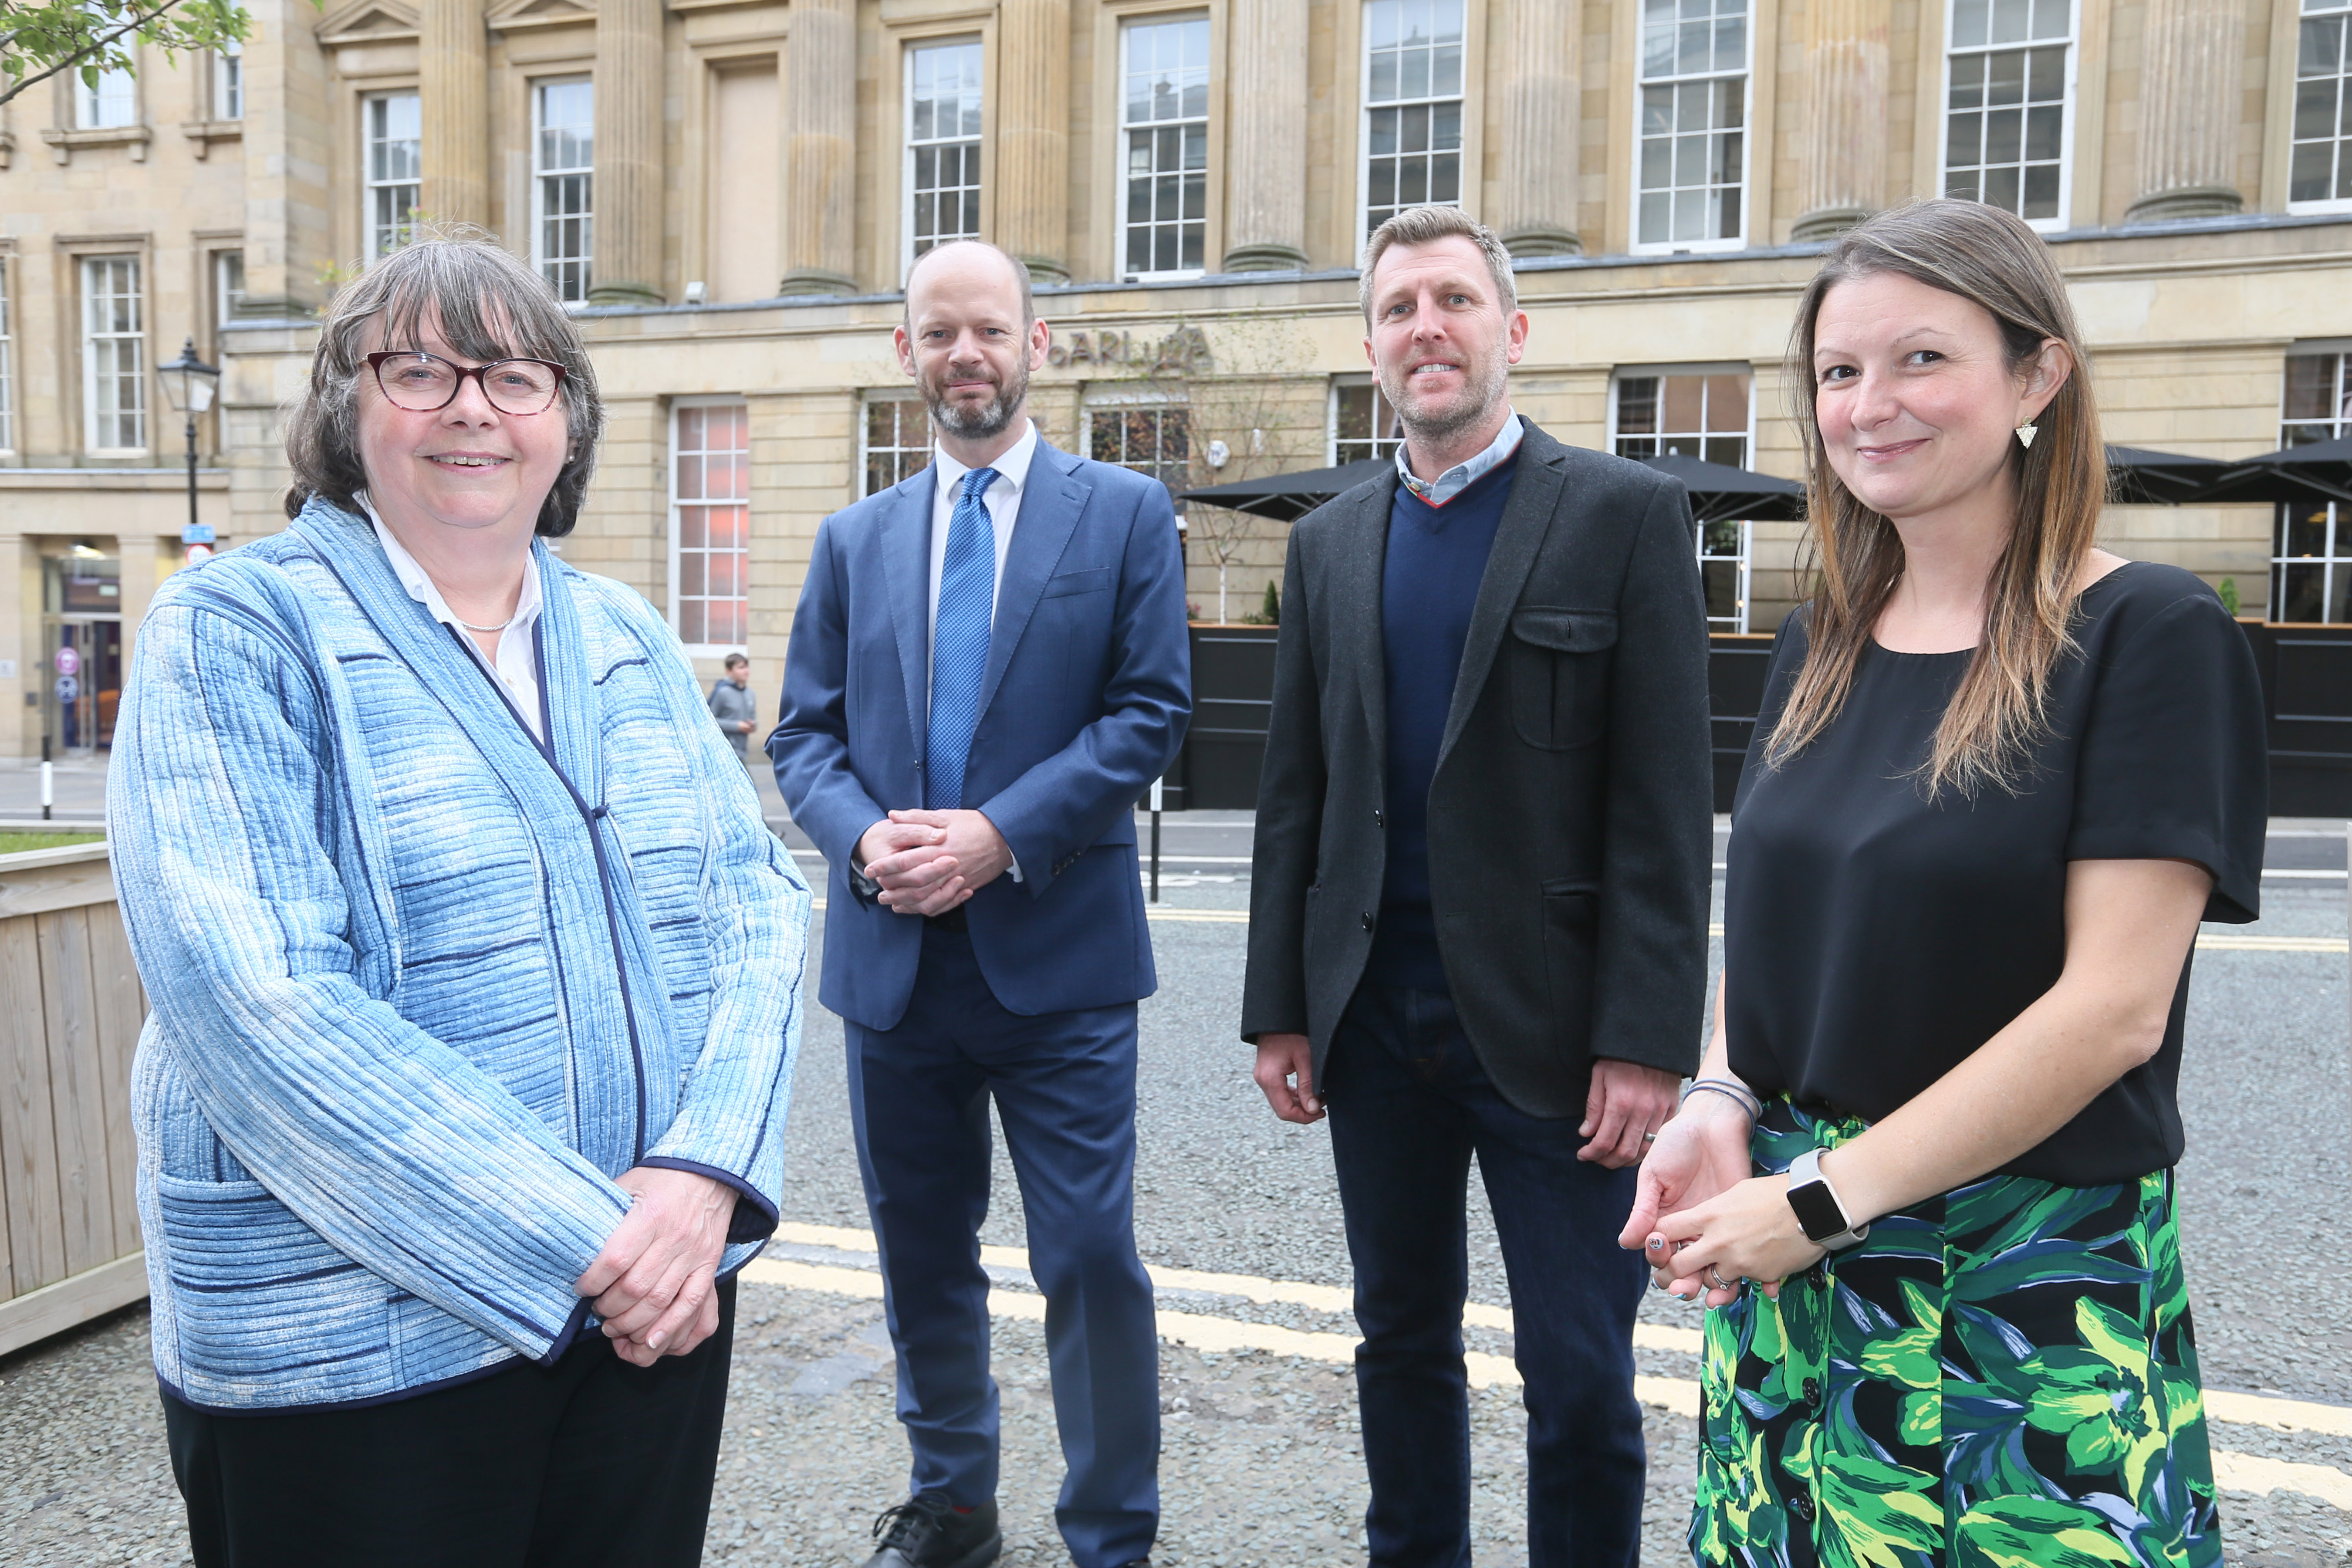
1479,901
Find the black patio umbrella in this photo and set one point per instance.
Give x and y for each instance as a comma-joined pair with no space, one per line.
2309,475
1287,498
1720,492
2138,477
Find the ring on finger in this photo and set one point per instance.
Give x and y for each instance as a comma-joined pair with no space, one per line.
1713,1280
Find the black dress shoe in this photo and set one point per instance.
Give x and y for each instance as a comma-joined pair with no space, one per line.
925,1531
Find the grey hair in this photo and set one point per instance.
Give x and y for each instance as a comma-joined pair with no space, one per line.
489,305
1020,274
1424,226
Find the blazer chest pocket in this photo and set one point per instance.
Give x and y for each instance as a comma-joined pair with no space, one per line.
1559,674
1088,580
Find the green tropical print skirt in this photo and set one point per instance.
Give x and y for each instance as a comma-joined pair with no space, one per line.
2002,1377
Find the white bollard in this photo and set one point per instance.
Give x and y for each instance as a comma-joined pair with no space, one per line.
48,781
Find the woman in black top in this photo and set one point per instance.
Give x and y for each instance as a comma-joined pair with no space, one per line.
1999,776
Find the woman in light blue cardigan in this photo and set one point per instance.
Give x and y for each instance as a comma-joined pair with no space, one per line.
476,981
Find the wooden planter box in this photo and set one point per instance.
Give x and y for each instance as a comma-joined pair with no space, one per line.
70,1010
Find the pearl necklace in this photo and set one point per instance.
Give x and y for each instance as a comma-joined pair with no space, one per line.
470,627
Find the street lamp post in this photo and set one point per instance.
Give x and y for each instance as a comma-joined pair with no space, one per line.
189,382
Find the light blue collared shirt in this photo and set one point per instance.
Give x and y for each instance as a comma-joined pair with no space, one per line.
1462,476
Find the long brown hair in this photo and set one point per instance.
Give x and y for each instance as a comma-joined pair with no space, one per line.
1991,258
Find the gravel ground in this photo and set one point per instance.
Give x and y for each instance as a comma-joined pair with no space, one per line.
1261,1465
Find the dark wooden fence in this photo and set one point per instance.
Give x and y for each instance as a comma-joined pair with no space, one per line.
2307,697
1232,694
2306,688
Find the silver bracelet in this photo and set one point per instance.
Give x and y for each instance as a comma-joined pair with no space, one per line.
1746,1100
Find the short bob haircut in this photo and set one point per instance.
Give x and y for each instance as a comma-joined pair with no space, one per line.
489,306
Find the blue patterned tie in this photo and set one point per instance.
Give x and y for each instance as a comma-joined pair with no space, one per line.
959,642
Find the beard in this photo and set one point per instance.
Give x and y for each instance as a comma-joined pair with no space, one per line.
1484,379
991,418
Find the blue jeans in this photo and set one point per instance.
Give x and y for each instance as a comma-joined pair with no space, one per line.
1409,1105
1063,1085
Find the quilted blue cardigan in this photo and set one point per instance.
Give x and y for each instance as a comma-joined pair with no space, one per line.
421,987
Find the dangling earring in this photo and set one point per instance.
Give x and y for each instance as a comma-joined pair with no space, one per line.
2025,434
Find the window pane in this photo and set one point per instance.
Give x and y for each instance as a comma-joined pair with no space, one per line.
710,461
1722,583
2300,595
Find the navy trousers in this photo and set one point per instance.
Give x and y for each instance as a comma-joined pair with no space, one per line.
1063,1085
1409,1105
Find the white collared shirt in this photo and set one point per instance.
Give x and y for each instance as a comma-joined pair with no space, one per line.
1003,500
1463,475
517,665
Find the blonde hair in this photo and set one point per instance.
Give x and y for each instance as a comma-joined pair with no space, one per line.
1998,713
1425,225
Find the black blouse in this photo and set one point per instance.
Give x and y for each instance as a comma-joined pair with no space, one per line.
1874,938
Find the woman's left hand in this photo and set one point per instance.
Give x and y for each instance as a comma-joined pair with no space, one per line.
654,1284
1748,1232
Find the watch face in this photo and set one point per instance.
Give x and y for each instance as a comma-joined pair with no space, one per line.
1817,1211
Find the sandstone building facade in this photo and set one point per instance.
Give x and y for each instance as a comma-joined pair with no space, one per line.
732,191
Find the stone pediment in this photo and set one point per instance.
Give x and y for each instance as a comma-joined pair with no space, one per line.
367,21
509,15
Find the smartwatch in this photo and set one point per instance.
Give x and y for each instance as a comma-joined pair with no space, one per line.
1817,1207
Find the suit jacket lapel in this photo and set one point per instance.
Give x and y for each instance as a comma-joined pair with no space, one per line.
906,546
1050,504
1359,574
1526,518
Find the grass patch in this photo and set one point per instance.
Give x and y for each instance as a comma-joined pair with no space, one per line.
19,842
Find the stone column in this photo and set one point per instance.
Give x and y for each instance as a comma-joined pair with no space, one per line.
452,76
1542,148
2189,110
820,149
1266,136
628,200
287,117
1842,178
1032,134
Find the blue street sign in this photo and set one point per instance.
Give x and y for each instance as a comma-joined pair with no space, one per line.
196,533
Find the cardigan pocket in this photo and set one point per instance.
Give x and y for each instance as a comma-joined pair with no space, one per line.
1559,674
259,1299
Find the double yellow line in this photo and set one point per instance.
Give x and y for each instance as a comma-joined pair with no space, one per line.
1217,1335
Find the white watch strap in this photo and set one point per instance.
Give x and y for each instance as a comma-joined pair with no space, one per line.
1805,1170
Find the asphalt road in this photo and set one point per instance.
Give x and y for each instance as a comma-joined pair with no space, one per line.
1261,1465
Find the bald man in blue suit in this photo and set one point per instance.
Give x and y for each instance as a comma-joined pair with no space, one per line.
989,666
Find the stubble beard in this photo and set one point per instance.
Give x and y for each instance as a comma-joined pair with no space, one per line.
1485,378
989,420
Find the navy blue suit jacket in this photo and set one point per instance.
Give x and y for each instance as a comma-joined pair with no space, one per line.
1087,694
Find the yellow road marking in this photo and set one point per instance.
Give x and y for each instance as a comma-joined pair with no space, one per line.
2253,1473
2280,1414
1218,1335
2204,943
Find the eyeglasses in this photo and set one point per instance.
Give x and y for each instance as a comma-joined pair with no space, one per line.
421,382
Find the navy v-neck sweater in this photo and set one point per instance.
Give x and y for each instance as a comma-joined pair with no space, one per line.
1436,555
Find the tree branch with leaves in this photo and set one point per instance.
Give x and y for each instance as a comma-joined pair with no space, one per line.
38,41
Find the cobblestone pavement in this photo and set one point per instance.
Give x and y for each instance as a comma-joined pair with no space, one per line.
1261,1465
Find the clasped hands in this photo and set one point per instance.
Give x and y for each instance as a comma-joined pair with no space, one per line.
655,1282
1697,1212
928,862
